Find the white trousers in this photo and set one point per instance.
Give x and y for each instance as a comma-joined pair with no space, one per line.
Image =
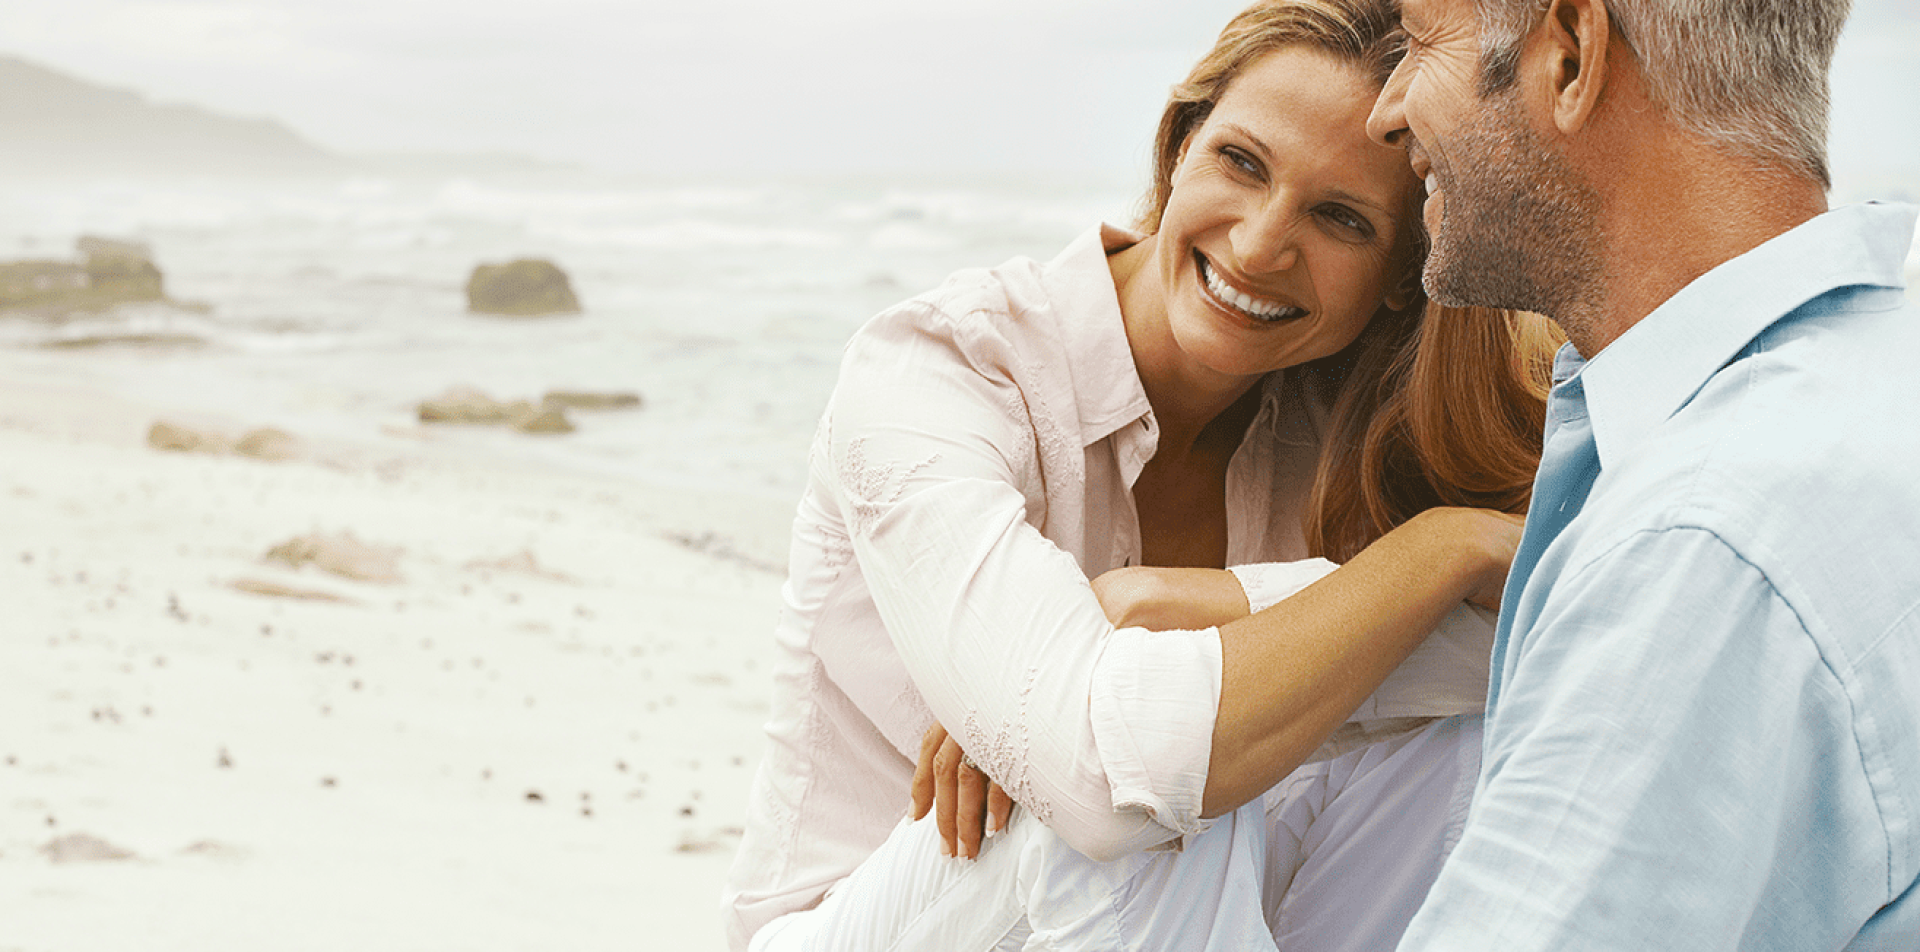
1335,858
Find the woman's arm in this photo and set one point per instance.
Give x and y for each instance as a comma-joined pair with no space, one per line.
1189,598
1293,673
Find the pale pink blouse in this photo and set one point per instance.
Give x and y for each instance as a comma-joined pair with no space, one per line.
972,471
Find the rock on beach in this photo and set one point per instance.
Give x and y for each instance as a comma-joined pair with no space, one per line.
466,405
592,399
107,272
263,443
527,287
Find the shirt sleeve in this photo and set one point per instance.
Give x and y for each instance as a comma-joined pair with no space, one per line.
1670,763
1267,584
1103,735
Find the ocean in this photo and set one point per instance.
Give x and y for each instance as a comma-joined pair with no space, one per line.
331,309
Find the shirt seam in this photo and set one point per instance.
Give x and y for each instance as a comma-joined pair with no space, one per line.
1826,663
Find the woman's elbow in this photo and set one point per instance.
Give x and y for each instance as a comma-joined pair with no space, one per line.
1164,599
1107,835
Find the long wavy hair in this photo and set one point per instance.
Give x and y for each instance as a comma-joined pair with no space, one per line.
1432,406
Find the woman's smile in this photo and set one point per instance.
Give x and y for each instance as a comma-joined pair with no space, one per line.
1239,302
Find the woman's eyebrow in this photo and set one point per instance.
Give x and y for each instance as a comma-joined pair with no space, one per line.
1342,195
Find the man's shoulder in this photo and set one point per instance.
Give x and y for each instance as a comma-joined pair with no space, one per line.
1820,401
1798,455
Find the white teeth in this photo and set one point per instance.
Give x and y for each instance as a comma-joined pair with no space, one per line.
1433,183
1253,306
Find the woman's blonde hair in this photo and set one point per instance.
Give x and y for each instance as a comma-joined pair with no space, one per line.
1451,415
1433,406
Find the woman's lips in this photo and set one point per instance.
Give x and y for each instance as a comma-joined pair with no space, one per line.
1253,308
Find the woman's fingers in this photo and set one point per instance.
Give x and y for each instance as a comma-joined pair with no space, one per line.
971,814
965,802
999,809
946,792
923,771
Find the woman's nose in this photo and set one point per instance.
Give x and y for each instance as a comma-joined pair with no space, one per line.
1267,241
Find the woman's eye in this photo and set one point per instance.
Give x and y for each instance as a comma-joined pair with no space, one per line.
1347,220
1240,161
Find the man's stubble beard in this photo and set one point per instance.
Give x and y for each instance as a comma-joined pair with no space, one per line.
1518,227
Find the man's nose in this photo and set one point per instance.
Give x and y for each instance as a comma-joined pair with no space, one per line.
1387,124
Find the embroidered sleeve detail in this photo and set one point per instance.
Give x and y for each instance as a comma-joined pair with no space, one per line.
836,553
872,487
1002,753
1022,454
1062,462
910,708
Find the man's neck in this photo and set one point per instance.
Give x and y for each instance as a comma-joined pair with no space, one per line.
1676,210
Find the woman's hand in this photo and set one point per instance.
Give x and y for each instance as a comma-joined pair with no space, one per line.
1168,599
965,801
968,804
1497,535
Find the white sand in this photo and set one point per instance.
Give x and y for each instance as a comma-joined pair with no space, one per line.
382,748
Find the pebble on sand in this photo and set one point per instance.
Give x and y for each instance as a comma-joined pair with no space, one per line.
83,848
342,554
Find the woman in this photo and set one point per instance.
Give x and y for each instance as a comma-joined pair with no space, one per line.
1236,386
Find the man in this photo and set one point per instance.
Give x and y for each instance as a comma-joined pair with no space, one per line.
1704,725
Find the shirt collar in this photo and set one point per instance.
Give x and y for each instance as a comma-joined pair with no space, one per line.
1107,390
1651,371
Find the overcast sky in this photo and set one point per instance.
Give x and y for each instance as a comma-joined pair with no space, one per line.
752,85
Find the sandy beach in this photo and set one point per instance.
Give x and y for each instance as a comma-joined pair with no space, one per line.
527,720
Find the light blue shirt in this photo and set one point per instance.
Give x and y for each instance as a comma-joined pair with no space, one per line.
1704,724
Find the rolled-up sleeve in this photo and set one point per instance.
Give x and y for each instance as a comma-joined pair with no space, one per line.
1153,693
1105,737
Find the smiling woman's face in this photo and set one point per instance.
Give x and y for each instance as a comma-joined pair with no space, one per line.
1280,236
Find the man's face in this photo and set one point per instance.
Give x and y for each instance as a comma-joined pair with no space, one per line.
1509,224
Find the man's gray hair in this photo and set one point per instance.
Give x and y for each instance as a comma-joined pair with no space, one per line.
1748,75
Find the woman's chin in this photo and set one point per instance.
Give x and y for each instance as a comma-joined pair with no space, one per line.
1235,346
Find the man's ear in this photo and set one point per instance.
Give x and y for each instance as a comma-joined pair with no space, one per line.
1568,61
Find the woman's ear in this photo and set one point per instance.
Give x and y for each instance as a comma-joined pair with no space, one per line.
1402,294
1410,260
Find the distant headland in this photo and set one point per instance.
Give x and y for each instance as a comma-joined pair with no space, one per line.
55,124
